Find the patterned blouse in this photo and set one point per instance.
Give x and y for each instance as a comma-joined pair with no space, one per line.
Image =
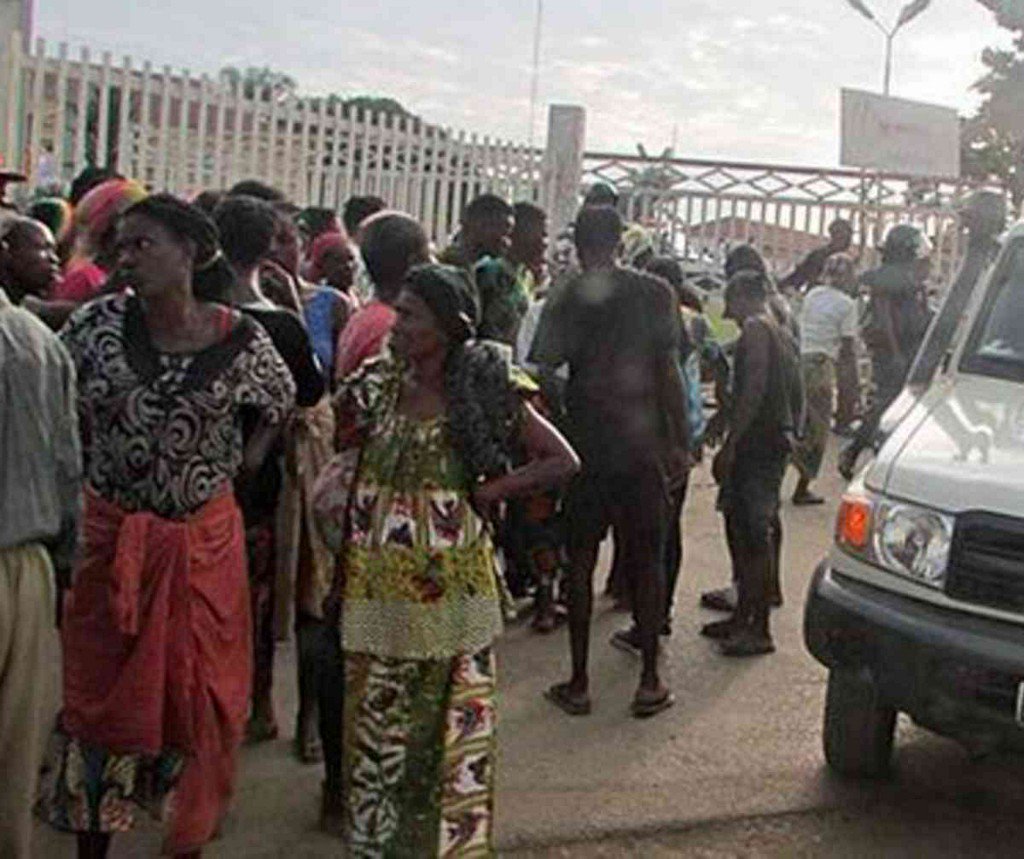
162,432
421,580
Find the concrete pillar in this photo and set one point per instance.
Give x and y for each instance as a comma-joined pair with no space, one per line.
17,16
563,164
16,23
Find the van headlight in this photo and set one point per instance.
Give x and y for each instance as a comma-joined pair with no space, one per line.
913,541
903,538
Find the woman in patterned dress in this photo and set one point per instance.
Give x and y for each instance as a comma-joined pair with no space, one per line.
157,661
420,597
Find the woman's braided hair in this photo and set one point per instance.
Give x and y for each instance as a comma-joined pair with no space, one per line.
212,276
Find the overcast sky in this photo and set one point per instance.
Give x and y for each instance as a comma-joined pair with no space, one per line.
743,79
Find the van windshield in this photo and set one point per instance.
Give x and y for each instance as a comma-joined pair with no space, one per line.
996,347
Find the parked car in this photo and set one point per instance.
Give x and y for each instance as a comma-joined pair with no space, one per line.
919,606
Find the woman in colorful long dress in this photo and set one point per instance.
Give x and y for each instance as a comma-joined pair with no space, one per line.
420,606
156,634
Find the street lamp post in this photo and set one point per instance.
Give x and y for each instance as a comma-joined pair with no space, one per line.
907,14
535,71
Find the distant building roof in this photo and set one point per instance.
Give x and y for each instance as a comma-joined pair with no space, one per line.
772,240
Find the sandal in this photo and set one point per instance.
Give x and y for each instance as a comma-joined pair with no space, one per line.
309,750
306,745
567,702
746,642
260,729
544,623
719,630
332,810
548,621
847,464
644,707
627,640
721,599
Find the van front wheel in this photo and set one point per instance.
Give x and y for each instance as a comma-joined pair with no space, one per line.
858,730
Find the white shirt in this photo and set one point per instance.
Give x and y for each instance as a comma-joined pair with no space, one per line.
827,316
524,340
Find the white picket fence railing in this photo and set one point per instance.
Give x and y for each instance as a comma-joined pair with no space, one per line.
700,209
185,133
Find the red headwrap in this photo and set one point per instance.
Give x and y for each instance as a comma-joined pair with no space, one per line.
101,207
321,245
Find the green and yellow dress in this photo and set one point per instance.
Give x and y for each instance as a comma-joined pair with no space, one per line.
421,611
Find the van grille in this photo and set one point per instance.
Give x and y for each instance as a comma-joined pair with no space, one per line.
986,564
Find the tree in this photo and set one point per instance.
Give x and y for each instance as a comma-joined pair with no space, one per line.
992,141
1009,13
270,84
378,104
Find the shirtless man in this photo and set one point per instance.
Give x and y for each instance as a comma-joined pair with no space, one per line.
750,466
618,331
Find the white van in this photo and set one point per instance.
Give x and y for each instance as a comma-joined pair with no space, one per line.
919,606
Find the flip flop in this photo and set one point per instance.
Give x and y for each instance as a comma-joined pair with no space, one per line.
808,499
720,629
549,621
560,696
308,750
721,599
544,623
742,645
644,709
332,810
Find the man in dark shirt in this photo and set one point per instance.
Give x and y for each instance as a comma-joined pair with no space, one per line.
486,231
750,466
482,250
808,272
896,323
618,331
528,246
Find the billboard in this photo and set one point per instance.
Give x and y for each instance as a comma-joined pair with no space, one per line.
899,136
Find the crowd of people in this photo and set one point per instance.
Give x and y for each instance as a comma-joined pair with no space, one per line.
228,419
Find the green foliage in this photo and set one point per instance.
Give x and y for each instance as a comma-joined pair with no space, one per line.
992,145
268,84
378,104
1009,13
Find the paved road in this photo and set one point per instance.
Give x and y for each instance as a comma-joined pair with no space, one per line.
734,769
893,832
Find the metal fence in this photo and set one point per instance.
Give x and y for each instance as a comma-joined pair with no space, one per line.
184,133
700,209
